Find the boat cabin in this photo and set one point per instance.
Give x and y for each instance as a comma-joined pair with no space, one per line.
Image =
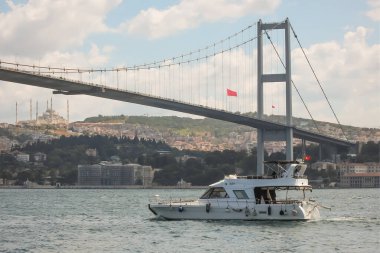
260,194
280,187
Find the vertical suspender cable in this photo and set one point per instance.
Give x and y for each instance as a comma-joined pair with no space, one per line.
214,78
206,80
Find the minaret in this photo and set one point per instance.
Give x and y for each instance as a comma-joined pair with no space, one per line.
30,110
68,111
51,110
16,113
36,111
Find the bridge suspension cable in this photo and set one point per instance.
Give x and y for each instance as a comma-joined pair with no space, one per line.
319,83
294,85
163,63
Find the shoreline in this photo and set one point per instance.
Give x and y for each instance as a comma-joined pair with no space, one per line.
134,187
87,187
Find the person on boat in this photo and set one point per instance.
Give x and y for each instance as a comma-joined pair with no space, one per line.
257,192
272,194
296,172
265,195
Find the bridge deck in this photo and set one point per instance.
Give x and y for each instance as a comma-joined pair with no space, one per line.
70,87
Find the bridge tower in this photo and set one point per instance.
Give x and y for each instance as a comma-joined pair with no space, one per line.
267,134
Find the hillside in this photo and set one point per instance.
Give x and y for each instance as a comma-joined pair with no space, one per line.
179,132
189,126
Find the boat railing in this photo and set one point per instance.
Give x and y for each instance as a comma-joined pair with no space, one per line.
172,201
237,203
244,203
269,177
287,201
302,177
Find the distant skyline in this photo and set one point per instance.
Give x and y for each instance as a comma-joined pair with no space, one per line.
341,38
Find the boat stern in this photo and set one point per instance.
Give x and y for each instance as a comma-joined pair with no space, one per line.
309,210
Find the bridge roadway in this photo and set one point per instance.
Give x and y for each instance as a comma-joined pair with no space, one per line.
70,87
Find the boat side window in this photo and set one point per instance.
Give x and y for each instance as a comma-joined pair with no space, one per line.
215,193
265,195
241,194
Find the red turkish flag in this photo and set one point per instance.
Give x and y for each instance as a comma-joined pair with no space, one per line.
231,93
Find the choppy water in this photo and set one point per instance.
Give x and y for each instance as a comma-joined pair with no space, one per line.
63,220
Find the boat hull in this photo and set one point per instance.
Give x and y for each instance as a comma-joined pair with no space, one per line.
257,212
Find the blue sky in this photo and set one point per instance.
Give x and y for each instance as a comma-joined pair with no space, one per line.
117,33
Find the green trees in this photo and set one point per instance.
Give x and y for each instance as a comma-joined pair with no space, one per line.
64,155
370,152
8,166
197,167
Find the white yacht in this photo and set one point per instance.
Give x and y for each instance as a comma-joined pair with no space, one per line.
281,195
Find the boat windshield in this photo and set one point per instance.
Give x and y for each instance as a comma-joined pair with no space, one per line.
215,193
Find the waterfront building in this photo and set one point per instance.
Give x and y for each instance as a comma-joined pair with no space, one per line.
89,174
359,175
143,175
346,168
373,167
114,174
360,180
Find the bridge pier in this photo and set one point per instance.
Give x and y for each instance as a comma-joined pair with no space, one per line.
287,134
260,152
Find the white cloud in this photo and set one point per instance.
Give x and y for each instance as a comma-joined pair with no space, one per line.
42,26
154,23
374,13
48,33
349,74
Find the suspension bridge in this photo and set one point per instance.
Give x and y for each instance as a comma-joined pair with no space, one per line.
223,80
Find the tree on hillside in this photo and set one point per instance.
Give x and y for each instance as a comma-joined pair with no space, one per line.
370,152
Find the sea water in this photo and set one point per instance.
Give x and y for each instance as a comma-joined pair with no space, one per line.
71,220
